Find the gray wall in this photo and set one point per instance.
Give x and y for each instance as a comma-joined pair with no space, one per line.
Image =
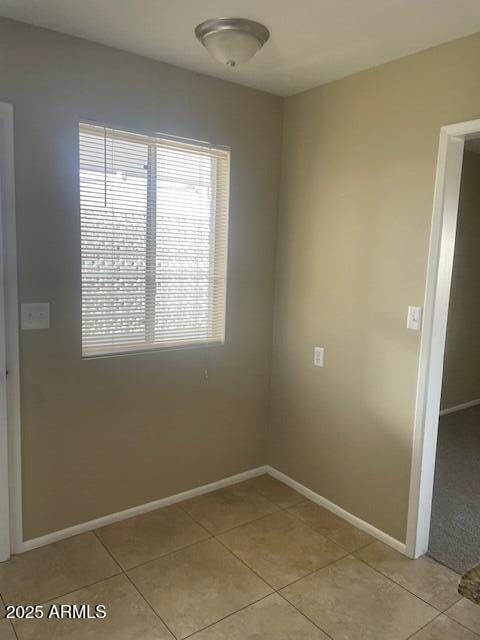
99,436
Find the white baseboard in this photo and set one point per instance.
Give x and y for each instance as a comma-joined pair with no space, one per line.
55,536
460,407
346,515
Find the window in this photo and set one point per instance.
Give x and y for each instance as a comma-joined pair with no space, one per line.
154,215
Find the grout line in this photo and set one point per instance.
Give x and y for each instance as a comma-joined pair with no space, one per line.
165,555
303,499
402,587
65,595
83,586
424,626
438,612
257,491
282,508
275,590
177,505
86,586
461,624
121,569
285,510
364,546
14,630
244,524
229,615
137,589
266,515
211,533
10,621
246,565
305,616
326,535
218,533
150,606
310,573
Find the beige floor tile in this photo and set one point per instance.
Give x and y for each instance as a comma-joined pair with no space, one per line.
128,616
330,525
197,586
275,491
466,613
6,630
150,535
351,601
269,619
442,628
280,548
54,570
424,577
227,508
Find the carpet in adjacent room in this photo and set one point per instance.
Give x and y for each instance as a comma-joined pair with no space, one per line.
455,527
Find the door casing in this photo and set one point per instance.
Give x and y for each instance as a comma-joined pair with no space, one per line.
11,537
432,347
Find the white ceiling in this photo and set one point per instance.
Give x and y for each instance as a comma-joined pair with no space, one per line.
312,41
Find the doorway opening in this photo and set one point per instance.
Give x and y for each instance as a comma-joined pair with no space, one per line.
455,523
445,222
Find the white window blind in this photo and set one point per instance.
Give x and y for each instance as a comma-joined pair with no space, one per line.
154,216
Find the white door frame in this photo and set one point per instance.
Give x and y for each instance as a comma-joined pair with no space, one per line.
432,347
11,535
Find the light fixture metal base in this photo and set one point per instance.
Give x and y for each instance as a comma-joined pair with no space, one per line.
214,25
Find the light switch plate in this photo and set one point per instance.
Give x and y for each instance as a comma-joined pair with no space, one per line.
35,315
319,356
414,318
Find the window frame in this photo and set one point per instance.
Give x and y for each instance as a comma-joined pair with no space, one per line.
153,141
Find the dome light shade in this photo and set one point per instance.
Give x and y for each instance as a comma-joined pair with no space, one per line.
232,41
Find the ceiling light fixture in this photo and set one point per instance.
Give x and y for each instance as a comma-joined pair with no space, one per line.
232,41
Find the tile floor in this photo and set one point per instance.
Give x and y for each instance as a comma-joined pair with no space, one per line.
255,561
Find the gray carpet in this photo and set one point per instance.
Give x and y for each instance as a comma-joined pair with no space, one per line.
455,528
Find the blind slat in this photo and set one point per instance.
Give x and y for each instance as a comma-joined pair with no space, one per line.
154,220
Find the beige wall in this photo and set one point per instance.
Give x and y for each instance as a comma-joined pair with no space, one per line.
103,435
358,175
461,371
